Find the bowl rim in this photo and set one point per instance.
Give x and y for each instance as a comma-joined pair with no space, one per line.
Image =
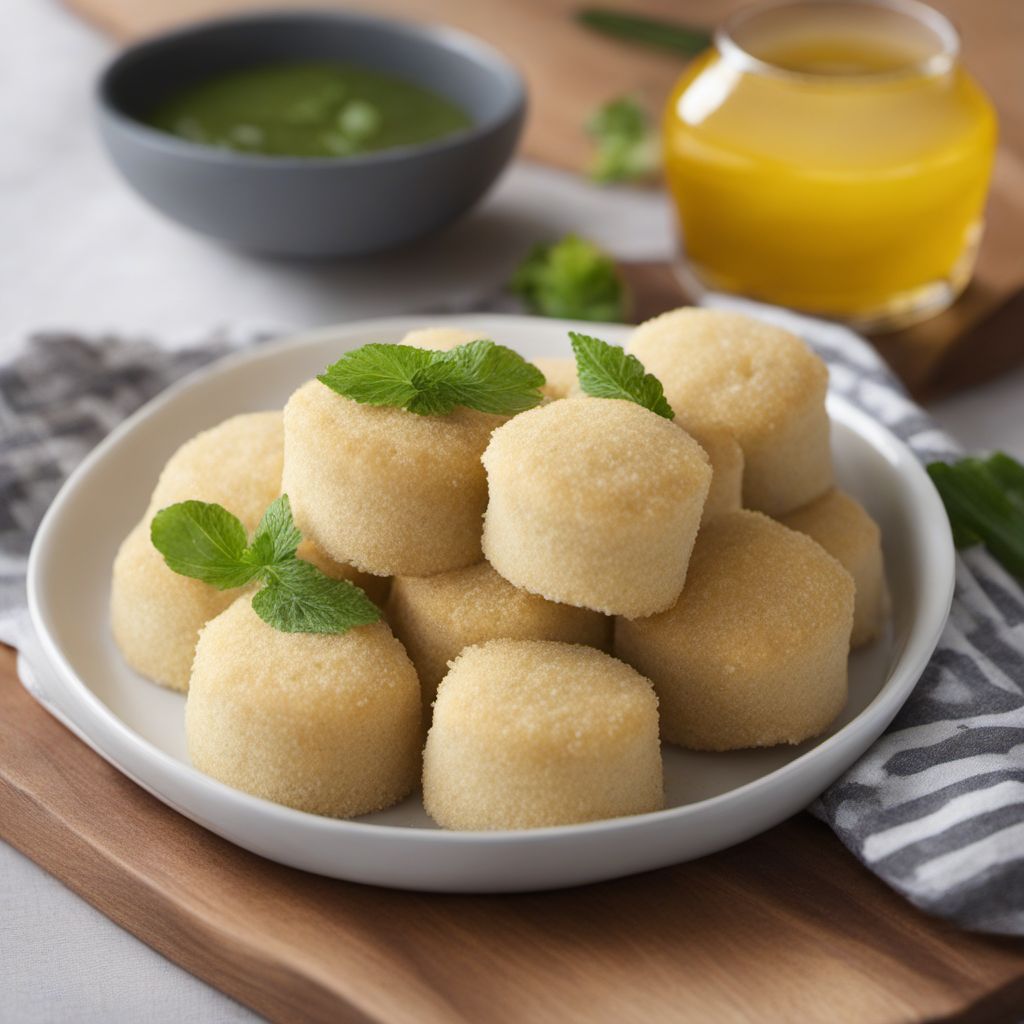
937,576
442,38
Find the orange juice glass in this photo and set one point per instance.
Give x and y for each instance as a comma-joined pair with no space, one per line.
832,156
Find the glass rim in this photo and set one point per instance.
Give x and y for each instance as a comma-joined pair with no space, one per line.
943,60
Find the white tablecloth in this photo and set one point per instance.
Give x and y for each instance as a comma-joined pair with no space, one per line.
79,251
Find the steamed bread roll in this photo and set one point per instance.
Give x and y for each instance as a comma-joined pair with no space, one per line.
441,339
559,375
594,502
389,491
528,733
155,613
845,530
726,459
236,464
759,382
754,652
328,724
723,451
435,617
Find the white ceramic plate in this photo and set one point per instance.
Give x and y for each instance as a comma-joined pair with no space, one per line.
713,800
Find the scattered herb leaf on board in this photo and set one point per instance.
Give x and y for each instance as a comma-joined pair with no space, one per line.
635,28
206,542
606,371
627,145
984,499
480,375
572,279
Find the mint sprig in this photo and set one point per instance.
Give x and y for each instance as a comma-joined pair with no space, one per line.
492,378
657,32
480,375
276,538
299,598
984,500
625,142
606,371
572,279
206,542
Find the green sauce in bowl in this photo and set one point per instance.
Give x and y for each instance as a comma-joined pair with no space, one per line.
308,110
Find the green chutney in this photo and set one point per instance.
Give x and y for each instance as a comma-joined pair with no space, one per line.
308,110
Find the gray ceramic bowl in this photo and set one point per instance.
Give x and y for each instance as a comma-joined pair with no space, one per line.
302,206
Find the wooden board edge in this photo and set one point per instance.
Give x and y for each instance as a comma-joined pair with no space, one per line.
238,968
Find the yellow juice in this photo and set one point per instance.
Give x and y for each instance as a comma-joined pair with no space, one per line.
832,157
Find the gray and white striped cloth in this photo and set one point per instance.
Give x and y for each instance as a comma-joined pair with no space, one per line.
935,808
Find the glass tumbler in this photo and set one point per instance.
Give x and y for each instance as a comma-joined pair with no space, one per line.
832,156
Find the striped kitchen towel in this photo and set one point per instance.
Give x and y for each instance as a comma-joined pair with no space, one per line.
935,808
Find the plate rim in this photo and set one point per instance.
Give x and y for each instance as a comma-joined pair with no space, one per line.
910,661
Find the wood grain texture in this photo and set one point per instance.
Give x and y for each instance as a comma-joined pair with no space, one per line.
571,71
786,927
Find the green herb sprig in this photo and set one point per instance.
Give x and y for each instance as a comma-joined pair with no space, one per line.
984,500
572,279
626,143
206,542
606,371
656,32
480,375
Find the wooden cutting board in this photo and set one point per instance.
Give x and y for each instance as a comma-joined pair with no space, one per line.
786,927
571,71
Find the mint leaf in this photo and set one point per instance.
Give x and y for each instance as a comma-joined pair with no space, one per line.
379,374
493,378
1009,474
276,538
203,541
984,500
207,542
298,598
480,375
437,385
572,279
605,371
627,145
636,28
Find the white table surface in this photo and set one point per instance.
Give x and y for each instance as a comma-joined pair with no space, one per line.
80,252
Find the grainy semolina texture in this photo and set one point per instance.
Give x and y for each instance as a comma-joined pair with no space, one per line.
726,458
528,733
759,382
236,464
376,587
389,491
437,616
754,652
845,530
155,614
723,452
594,502
560,375
441,339
325,724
